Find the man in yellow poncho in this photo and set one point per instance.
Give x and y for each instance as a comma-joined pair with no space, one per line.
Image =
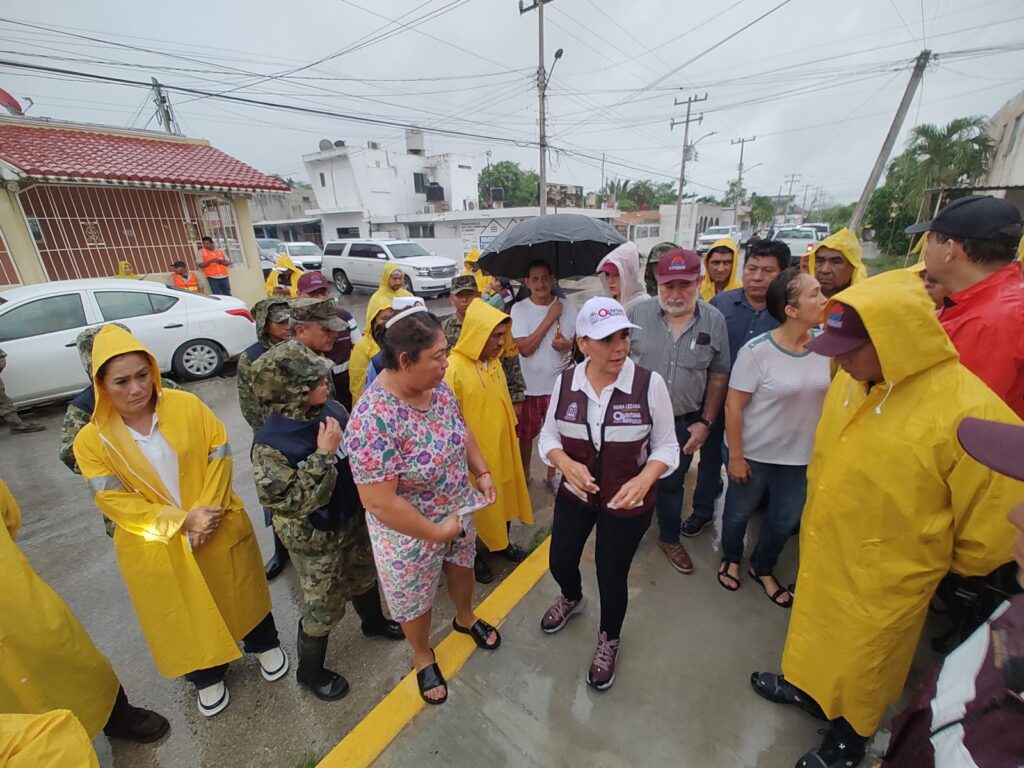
721,269
283,279
477,378
893,504
470,267
391,281
159,465
837,262
47,661
378,310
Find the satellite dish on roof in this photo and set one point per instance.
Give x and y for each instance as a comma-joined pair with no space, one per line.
326,145
339,143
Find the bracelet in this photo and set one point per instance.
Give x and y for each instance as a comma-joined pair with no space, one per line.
481,474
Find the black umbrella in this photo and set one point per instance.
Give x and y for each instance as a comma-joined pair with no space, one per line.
572,244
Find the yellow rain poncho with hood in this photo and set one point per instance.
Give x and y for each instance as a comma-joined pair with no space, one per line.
385,291
626,259
847,244
707,285
50,740
365,349
194,606
47,661
893,504
284,264
483,282
483,395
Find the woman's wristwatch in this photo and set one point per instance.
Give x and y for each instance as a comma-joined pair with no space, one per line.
705,422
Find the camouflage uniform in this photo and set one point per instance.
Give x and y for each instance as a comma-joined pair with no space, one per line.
275,310
79,411
335,565
8,411
325,312
452,327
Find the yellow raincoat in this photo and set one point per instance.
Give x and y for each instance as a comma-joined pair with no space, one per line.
483,282
847,244
47,660
52,740
284,264
194,607
893,504
707,285
365,349
483,395
384,291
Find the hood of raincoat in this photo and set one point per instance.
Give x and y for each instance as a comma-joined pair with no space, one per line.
284,377
707,285
373,307
626,259
110,342
386,290
85,341
481,320
847,244
483,281
260,312
900,318
284,263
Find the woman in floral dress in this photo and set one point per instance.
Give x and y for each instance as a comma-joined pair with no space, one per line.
411,456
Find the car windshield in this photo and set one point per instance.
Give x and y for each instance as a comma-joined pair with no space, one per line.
305,250
717,231
797,233
264,242
407,250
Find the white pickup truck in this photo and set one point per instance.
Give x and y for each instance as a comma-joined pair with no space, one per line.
799,239
359,263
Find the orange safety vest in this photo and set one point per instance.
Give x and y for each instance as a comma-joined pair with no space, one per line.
212,270
191,283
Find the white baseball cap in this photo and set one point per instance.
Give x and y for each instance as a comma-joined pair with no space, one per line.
600,317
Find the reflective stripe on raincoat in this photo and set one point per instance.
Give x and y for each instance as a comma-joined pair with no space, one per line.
707,285
893,504
194,607
626,259
847,244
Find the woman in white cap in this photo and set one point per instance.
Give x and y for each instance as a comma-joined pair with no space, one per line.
610,430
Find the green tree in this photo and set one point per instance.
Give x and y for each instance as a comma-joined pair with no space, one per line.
734,193
762,209
953,155
837,216
520,186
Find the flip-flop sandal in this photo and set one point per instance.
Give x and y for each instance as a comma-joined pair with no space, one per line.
427,679
777,594
479,632
723,575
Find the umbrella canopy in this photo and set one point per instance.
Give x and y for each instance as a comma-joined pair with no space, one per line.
572,244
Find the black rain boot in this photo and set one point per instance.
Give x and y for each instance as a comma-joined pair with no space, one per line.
325,685
276,564
142,726
375,624
842,747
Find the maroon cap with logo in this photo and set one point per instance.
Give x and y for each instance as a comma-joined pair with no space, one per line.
678,264
844,332
609,268
312,281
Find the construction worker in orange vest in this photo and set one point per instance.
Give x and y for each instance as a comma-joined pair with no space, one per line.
214,264
184,280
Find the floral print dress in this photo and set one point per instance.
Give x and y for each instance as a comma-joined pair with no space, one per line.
426,451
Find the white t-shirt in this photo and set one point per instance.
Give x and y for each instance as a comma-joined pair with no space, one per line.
161,457
542,367
787,391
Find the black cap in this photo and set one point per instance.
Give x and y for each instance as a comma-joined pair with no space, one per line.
978,217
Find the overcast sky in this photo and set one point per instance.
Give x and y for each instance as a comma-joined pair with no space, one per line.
816,81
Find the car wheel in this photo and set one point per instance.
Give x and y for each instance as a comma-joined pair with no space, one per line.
407,284
198,359
341,282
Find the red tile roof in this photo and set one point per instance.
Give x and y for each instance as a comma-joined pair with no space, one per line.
89,155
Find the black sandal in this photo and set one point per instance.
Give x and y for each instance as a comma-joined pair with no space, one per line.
723,573
777,594
776,689
479,632
427,679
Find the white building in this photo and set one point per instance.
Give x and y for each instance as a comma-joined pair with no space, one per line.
1006,172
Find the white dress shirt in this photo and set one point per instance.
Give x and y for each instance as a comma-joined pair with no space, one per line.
664,445
161,457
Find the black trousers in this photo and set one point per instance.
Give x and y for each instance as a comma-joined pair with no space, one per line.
261,638
617,542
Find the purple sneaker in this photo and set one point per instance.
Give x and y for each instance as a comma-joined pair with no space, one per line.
559,614
602,668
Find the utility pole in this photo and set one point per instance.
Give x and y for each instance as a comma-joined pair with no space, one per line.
602,173
807,188
739,184
890,140
791,179
542,77
690,101
164,111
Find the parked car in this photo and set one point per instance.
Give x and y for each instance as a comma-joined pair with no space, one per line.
190,334
822,228
359,263
799,239
305,255
711,234
268,252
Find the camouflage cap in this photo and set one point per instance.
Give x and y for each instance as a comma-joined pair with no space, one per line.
464,283
283,376
279,312
323,311
85,341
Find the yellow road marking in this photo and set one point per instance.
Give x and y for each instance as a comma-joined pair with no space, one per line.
377,730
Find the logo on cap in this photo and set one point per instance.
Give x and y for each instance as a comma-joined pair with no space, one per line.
835,316
605,312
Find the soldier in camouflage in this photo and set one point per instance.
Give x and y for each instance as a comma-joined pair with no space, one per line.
315,323
307,485
8,412
463,292
80,409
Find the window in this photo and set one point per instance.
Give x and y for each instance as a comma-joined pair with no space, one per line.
419,183
117,305
421,230
647,230
323,180
1013,136
408,250
54,313
348,231
465,167
366,251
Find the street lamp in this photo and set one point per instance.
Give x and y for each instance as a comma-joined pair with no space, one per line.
542,180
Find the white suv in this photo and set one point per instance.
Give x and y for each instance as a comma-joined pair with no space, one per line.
712,234
359,263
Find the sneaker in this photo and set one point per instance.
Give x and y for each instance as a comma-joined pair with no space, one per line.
693,525
213,699
676,556
602,669
273,664
838,750
514,554
559,614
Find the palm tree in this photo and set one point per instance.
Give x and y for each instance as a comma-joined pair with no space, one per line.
762,209
954,155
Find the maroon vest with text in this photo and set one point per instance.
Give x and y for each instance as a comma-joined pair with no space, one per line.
625,440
